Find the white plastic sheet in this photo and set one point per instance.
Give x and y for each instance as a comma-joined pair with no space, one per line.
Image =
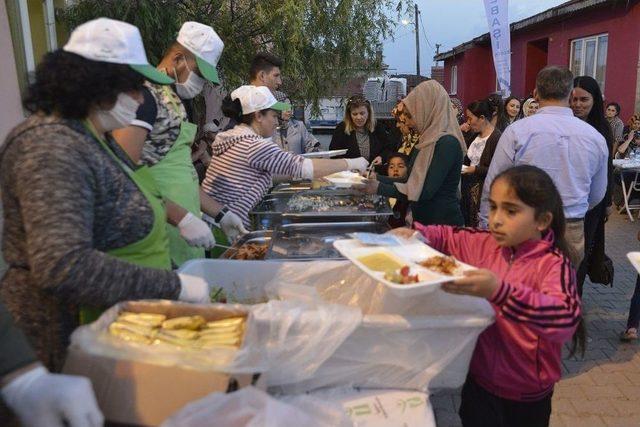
284,339
250,407
419,343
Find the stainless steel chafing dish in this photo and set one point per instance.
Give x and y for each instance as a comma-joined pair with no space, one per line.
313,241
268,213
291,187
338,204
274,209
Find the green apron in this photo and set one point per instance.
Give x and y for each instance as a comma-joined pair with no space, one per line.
152,251
178,181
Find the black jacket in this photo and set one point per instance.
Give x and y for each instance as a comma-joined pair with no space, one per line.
14,348
379,143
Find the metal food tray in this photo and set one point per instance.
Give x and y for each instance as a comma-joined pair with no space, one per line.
313,241
291,187
262,236
382,209
269,213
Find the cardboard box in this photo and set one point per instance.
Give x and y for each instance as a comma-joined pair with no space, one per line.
144,394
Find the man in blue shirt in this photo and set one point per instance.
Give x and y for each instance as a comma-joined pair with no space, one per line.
571,151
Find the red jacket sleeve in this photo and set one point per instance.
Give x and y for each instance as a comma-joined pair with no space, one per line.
552,310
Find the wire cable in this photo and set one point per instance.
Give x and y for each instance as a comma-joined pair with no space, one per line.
424,33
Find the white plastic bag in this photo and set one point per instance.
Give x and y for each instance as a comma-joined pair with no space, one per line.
286,340
250,407
425,345
292,339
413,343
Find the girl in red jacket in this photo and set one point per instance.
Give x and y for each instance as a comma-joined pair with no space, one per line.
525,273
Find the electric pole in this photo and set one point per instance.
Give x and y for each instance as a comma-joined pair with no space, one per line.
417,14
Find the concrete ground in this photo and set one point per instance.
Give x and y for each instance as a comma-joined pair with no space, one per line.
603,389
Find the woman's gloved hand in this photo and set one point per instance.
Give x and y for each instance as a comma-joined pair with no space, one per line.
193,289
196,232
42,399
232,226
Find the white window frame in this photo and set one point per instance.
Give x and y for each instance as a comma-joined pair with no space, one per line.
454,80
595,38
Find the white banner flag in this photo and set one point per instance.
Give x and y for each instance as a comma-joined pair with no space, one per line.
498,19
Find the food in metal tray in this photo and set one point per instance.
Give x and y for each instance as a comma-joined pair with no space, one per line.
304,203
402,276
380,261
192,332
251,251
441,264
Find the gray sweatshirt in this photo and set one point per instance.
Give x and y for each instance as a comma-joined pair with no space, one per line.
66,203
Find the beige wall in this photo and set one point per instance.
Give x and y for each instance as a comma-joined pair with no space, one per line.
10,105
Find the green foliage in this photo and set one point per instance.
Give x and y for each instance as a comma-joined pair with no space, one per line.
322,42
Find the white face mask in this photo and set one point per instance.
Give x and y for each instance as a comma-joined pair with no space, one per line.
191,87
121,115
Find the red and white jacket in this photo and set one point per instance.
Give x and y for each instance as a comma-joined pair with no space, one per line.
537,310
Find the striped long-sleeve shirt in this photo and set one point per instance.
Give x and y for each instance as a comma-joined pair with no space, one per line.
242,166
537,309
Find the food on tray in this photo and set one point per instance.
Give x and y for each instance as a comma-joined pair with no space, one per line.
188,331
144,319
318,184
402,276
380,261
132,332
251,251
353,203
185,322
441,264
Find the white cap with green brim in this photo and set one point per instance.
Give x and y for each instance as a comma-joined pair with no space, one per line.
205,44
116,42
257,98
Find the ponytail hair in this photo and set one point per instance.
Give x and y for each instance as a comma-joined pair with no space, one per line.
482,109
535,188
232,108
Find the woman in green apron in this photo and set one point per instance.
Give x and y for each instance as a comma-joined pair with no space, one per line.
161,138
84,227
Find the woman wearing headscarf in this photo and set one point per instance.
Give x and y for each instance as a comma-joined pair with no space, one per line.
587,105
435,160
529,107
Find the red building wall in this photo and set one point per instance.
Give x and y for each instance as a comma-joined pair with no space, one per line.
622,26
476,74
